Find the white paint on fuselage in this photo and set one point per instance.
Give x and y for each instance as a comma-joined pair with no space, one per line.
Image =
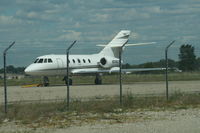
107,59
59,65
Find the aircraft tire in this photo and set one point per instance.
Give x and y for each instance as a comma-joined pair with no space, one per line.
98,81
46,84
45,81
70,82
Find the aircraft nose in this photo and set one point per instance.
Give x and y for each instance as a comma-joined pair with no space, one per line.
32,70
27,70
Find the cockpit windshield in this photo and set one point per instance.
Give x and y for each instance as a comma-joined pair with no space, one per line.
36,60
45,60
50,61
41,60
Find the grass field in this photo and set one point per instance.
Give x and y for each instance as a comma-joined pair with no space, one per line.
109,79
56,114
46,114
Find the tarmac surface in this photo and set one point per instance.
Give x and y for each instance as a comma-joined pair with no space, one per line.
51,93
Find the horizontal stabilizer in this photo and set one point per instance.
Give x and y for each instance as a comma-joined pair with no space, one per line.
135,44
101,45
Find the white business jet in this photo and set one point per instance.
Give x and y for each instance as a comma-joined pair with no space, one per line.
106,61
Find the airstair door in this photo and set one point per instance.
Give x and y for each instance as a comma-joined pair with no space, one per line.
60,66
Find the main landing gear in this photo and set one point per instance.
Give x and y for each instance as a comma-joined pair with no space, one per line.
98,80
45,81
66,81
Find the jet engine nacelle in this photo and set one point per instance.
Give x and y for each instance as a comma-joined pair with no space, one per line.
107,62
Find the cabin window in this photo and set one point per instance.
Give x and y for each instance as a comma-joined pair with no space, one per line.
73,61
79,61
84,60
89,61
36,61
40,61
50,61
45,60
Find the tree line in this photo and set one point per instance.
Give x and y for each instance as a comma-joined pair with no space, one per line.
187,62
12,69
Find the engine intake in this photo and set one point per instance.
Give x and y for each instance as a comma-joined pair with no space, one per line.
103,61
106,62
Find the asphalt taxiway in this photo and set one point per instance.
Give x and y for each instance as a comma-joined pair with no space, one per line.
17,93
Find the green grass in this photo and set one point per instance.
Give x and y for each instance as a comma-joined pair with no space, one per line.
109,79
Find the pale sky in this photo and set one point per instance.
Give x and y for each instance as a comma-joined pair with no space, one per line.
42,27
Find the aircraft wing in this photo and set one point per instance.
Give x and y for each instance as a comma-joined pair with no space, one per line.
142,69
113,70
89,70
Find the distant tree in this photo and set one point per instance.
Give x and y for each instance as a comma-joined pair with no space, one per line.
12,69
171,63
187,58
1,70
198,63
147,65
126,66
20,70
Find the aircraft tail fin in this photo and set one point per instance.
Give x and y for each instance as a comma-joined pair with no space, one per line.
113,47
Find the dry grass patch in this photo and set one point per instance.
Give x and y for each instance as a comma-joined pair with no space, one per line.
56,114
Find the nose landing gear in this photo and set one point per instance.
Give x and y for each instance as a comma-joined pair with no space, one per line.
45,81
98,80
